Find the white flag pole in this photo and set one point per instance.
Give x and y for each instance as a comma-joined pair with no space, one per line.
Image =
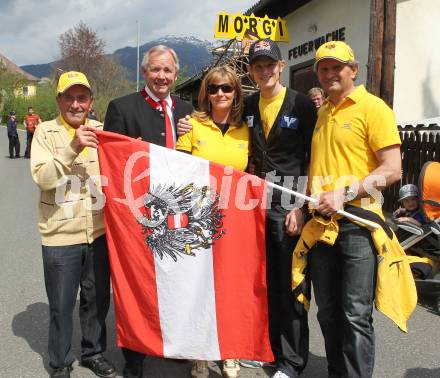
313,200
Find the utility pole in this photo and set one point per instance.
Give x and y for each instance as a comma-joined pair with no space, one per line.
381,55
137,60
389,52
375,47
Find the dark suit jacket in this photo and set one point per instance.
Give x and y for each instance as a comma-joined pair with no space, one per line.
131,115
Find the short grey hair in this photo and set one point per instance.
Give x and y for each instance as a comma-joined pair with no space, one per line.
161,49
315,90
352,64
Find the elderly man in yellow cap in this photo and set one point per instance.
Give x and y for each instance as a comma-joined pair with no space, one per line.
64,165
355,154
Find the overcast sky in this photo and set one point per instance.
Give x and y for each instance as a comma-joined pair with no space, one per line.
30,29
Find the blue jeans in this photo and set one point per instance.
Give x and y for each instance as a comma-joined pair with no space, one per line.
66,268
344,281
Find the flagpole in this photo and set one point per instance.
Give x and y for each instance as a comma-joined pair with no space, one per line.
137,60
366,222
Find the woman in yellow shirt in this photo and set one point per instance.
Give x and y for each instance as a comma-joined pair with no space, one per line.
218,134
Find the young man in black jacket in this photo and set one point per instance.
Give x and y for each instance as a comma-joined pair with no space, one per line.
281,123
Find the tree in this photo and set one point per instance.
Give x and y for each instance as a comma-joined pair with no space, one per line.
9,82
182,76
110,80
43,103
81,49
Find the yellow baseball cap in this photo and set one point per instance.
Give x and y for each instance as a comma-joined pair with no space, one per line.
337,50
71,78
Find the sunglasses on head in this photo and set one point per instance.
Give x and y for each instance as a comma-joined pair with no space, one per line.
213,88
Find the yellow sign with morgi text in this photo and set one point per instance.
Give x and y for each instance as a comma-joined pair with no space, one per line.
239,26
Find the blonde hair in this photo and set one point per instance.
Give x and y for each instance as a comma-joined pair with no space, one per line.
217,74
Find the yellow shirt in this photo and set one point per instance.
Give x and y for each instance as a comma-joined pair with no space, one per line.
206,140
269,109
345,140
71,132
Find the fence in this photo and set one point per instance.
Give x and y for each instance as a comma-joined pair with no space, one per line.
419,145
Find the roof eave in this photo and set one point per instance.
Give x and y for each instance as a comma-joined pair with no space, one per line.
275,8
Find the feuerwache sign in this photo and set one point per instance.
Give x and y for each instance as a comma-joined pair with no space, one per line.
239,26
313,45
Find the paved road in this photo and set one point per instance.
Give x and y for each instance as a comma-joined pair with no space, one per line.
24,309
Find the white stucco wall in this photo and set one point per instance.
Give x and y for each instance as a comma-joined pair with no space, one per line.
417,74
329,15
417,68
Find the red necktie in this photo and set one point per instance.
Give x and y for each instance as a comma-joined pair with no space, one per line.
169,140
168,131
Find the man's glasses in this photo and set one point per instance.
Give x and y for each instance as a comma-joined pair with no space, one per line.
213,89
82,99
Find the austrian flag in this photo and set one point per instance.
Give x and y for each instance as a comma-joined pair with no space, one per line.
186,239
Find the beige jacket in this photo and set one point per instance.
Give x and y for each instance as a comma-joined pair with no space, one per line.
71,207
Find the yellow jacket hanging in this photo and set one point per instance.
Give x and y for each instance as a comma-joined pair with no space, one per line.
395,296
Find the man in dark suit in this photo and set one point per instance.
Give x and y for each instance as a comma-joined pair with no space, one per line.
151,115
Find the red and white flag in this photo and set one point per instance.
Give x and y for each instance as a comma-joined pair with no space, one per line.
186,239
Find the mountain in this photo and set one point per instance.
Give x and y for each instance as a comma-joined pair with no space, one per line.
193,53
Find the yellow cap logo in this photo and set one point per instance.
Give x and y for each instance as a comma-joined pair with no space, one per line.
71,78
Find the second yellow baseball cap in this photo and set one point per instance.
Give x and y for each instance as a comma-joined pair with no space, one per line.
71,78
334,50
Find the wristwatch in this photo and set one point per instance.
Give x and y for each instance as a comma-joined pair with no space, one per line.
349,194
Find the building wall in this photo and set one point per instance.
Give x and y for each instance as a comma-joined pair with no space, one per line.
28,90
417,74
320,17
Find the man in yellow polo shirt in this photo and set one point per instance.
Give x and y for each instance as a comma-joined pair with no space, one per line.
355,154
64,165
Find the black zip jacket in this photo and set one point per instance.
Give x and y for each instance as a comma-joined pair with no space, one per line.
286,151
